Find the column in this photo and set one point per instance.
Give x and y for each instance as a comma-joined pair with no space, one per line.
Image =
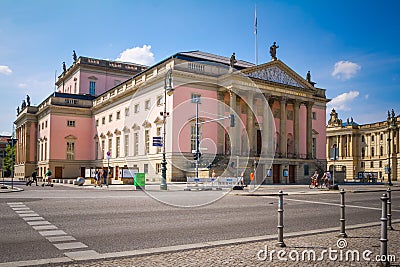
309,129
266,131
283,141
220,129
272,139
250,122
232,130
296,130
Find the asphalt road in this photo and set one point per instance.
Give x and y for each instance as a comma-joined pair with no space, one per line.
111,221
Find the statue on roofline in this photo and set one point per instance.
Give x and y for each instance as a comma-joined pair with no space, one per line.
233,60
272,51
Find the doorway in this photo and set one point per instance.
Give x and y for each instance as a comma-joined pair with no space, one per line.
276,173
292,174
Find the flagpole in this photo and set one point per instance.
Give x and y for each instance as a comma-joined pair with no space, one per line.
255,33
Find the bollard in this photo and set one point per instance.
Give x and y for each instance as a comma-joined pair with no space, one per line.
384,239
389,209
280,221
342,214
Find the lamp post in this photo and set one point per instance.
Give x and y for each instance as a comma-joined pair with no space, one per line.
168,89
391,123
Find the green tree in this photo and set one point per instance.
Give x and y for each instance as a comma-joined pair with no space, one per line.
9,160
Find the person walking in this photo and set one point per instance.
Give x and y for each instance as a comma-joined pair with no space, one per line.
48,175
34,178
105,174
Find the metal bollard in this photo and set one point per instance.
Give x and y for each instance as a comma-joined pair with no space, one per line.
342,214
280,221
389,207
384,239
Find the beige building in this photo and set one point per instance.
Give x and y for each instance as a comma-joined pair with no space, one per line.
363,150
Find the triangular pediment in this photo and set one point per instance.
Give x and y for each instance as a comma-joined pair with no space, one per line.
278,72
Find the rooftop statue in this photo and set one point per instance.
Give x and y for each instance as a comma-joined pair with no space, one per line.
272,51
74,56
233,60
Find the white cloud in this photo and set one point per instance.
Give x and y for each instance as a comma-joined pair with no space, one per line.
5,133
140,55
366,96
345,70
5,70
343,101
22,85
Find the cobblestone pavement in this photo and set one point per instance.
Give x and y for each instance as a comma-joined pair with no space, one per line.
361,240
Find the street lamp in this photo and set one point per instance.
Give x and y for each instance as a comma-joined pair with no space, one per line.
168,89
391,123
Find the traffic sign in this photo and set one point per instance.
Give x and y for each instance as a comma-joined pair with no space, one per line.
157,141
108,154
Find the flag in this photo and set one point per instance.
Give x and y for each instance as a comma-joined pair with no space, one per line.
255,21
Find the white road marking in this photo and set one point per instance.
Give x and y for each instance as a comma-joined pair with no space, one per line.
52,232
21,208
71,245
38,223
24,211
45,227
60,238
33,218
28,214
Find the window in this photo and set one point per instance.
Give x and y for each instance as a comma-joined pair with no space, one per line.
92,88
195,98
117,146
137,108
381,151
363,138
372,164
97,122
126,145
146,168
314,115
372,138
158,168
158,134
372,151
126,112
110,118
70,150
381,137
362,164
110,145
159,100
136,143
306,170
75,88
96,150
147,141
193,136
380,164
363,152
118,115
42,125
103,144
45,124
103,120
147,105
314,148
70,123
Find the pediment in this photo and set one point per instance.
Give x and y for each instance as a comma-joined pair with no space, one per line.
70,137
278,72
158,121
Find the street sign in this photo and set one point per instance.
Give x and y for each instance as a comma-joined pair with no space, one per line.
108,154
157,141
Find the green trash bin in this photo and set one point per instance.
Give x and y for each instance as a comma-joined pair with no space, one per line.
140,180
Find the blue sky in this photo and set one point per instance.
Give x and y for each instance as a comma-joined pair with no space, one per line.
350,47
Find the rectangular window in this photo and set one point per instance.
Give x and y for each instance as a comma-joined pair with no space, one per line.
159,134
92,88
137,108
372,152
103,120
193,136
195,98
306,170
362,164
146,168
158,168
45,150
147,141
110,118
45,124
126,145
314,115
126,112
70,150
117,146
110,145
96,150
372,164
380,164
103,148
372,138
75,88
118,115
147,105
136,143
97,122
314,148
70,123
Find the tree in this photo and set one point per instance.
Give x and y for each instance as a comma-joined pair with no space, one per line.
9,160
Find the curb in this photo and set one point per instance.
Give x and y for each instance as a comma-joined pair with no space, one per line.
9,190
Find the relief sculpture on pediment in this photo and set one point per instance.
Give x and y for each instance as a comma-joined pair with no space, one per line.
275,74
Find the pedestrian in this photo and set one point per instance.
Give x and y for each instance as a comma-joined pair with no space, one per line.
105,173
97,180
48,176
34,178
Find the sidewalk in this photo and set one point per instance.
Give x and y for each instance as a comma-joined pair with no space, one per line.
328,248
